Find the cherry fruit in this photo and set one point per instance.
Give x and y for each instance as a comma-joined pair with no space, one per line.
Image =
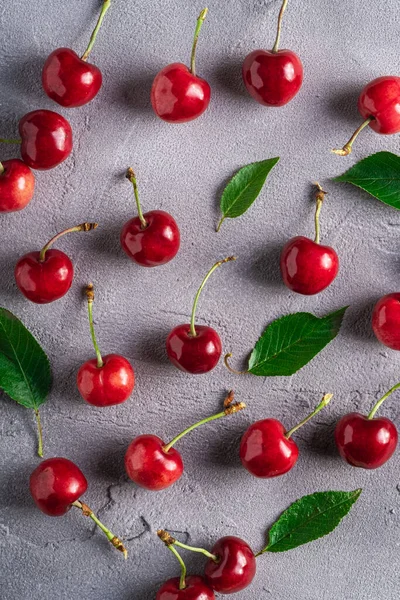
307,266
108,380
17,185
196,349
386,320
70,80
178,95
232,567
266,448
150,239
379,105
195,588
46,139
56,485
273,77
47,275
367,442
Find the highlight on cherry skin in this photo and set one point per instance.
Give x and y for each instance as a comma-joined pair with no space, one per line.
155,465
151,239
378,104
273,78
69,79
104,380
17,185
308,267
196,349
178,95
57,485
268,450
367,441
46,275
386,320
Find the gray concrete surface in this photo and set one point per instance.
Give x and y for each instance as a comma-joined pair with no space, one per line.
182,169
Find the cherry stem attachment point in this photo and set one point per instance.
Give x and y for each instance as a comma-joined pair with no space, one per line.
89,291
199,25
196,298
347,148
231,369
116,542
81,227
320,194
2,169
40,433
9,141
377,405
170,541
104,9
132,178
278,33
324,402
230,408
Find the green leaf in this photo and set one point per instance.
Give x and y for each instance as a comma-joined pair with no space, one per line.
244,188
309,518
379,175
290,342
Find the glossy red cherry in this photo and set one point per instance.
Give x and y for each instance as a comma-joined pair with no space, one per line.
386,320
178,95
367,442
195,349
307,266
150,239
17,185
235,567
47,275
46,139
108,380
196,589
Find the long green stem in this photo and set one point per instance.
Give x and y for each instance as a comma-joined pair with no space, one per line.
196,298
116,542
377,405
40,433
90,299
279,28
182,579
132,178
104,9
347,148
320,199
199,25
324,402
9,141
81,227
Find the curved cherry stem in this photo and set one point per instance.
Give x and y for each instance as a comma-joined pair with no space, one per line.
40,433
230,408
203,283
182,579
170,542
320,199
116,542
90,298
347,148
81,227
324,402
377,405
231,369
279,28
199,25
104,9
9,141
132,178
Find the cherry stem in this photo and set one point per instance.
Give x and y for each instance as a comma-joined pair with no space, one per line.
320,199
196,298
81,227
132,178
9,141
170,542
324,402
89,291
2,169
40,433
230,408
116,542
182,579
199,25
231,369
347,148
278,33
104,9
377,405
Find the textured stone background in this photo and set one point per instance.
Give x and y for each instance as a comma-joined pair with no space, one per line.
182,169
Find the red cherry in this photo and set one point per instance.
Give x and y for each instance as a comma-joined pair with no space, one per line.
150,239
177,94
46,139
307,267
17,185
235,567
47,275
386,320
196,589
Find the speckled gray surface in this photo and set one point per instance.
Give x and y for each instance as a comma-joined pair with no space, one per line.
182,169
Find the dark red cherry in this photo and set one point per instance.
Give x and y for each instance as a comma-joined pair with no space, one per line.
196,589
46,139
386,320
235,567
17,185
150,466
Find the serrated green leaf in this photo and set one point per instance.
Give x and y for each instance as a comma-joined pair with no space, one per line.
379,175
244,187
290,342
309,518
